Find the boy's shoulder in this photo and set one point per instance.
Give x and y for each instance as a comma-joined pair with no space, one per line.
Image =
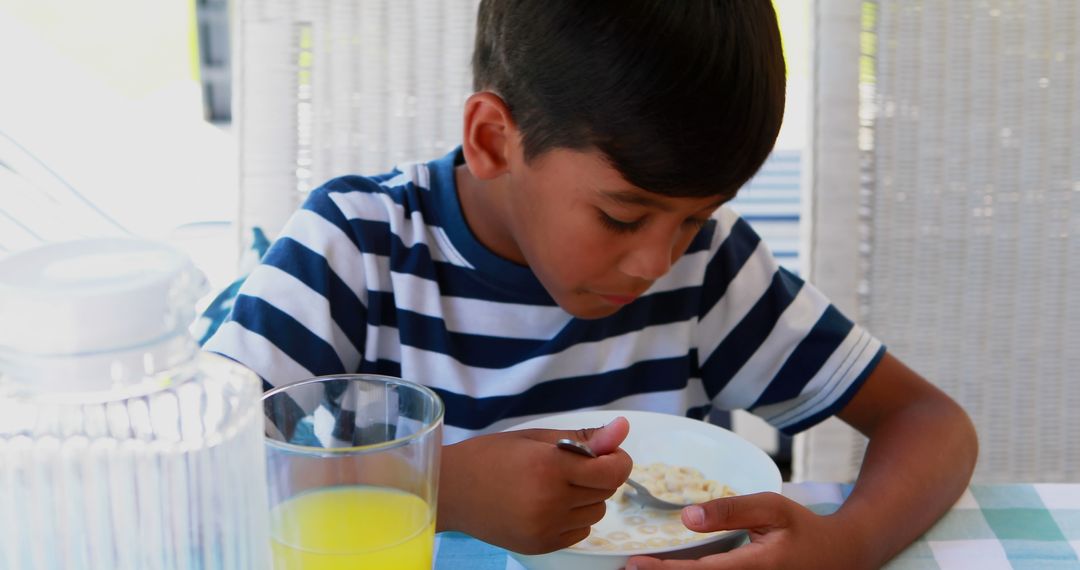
395,183
400,192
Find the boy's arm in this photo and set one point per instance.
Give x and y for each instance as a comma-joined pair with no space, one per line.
920,458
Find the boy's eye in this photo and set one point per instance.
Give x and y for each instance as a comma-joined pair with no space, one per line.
617,225
696,223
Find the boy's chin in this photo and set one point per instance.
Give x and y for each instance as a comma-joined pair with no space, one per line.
589,311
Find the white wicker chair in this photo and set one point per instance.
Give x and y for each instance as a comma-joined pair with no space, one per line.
946,193
331,87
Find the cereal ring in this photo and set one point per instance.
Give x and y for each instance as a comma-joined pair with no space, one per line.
672,528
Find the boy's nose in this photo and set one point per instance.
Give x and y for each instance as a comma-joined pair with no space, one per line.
649,262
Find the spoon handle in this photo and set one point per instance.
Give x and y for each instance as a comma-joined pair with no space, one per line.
578,447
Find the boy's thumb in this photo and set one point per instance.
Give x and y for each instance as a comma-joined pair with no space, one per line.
607,439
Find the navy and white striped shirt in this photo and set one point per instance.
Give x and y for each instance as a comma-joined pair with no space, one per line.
382,275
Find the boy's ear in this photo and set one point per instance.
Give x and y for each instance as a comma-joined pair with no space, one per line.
490,135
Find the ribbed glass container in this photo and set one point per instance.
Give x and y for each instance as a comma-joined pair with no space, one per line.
139,452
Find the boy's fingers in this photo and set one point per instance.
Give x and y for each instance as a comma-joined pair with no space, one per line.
606,472
647,563
608,438
742,558
612,465
572,537
580,496
758,510
584,516
601,440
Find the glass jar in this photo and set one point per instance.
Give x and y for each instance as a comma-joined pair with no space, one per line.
122,446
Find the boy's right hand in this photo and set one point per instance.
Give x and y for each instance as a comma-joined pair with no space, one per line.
519,491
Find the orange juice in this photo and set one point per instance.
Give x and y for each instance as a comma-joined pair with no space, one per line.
353,528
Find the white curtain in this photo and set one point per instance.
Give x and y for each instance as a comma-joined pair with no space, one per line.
332,87
946,194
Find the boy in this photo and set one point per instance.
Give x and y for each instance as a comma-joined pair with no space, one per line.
574,253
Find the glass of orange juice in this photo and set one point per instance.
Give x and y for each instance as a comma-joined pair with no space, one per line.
352,466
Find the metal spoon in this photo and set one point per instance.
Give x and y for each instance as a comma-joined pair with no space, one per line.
640,494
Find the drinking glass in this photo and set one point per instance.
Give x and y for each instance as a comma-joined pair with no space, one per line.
353,464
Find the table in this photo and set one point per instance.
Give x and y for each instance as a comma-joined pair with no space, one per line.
1022,526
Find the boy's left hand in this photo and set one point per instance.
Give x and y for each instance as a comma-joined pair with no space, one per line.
783,534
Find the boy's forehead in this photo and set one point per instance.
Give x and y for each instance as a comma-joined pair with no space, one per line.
638,197
596,174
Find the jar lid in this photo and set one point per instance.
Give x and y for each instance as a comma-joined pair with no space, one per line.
95,295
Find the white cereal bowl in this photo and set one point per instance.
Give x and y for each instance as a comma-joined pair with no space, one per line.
718,453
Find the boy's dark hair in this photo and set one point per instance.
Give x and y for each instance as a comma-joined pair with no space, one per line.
683,97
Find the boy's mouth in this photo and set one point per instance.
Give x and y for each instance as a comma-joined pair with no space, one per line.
619,299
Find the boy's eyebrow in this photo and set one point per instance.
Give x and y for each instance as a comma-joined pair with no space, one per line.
639,199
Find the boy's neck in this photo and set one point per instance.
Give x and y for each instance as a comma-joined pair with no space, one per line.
483,208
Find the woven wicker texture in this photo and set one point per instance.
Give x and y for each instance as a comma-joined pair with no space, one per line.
969,226
333,87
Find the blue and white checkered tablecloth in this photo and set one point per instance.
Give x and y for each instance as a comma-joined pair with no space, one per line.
991,527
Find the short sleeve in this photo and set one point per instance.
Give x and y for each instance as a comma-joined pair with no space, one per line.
770,343
300,313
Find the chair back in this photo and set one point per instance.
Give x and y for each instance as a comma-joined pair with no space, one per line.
947,215
332,87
